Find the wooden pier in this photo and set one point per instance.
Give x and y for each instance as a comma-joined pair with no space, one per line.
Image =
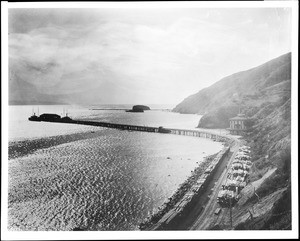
185,132
198,133
117,126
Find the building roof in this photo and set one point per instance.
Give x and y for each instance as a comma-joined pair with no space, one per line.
48,115
239,117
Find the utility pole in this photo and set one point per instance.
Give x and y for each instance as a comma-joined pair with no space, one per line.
230,213
258,199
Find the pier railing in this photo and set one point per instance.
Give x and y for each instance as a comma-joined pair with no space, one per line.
198,133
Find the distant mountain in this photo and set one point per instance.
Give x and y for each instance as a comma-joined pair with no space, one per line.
249,90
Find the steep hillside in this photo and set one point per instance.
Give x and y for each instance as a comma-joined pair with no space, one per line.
264,95
247,89
270,141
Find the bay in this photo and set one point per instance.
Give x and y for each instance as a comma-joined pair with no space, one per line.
96,178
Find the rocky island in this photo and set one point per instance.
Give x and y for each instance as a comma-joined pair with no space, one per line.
139,108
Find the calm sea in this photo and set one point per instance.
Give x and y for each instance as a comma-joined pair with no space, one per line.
63,176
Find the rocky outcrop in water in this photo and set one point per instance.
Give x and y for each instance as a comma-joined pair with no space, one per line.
139,108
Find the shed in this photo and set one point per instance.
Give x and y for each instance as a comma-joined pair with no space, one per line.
49,117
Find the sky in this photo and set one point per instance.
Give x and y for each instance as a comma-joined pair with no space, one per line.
141,56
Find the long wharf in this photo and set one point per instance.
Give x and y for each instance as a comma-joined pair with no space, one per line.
195,133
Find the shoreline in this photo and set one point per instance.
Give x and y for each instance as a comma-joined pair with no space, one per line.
178,194
185,187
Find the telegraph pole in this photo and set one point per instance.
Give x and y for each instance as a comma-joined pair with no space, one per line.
258,199
230,213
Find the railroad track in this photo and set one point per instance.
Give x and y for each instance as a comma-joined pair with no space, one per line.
207,219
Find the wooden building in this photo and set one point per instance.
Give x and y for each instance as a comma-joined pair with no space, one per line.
237,124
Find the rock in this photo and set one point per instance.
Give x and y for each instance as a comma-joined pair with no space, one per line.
143,107
138,108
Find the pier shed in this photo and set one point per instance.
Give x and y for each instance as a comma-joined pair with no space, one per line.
49,117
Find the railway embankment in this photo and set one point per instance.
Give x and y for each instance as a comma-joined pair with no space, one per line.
183,201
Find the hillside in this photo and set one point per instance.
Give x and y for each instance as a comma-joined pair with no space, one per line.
264,94
267,83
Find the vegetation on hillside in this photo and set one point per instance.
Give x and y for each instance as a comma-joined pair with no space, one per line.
264,95
249,91
270,140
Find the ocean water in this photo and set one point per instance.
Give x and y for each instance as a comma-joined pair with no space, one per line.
63,176
20,128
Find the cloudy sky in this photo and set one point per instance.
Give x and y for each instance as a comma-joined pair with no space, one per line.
141,56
